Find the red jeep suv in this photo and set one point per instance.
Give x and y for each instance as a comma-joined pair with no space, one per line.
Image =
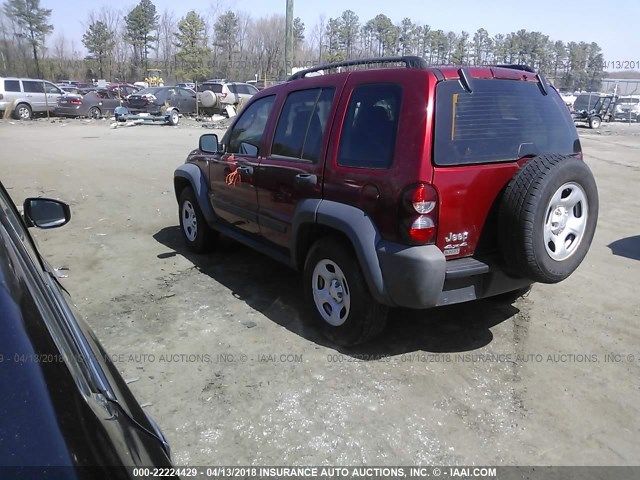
389,182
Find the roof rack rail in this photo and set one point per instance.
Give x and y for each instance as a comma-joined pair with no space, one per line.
410,61
525,68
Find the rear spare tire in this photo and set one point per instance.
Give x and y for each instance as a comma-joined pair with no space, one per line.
548,217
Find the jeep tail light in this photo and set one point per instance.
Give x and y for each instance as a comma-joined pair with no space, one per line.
419,214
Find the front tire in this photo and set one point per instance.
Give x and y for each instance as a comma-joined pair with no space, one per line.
197,234
595,122
337,292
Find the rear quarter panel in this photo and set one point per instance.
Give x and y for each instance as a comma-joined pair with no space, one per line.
378,191
469,195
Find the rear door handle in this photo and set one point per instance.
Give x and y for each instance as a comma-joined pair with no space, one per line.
306,179
245,170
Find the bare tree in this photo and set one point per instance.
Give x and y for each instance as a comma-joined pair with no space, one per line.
60,58
318,34
166,48
272,32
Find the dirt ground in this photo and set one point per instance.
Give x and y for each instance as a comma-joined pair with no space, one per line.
221,348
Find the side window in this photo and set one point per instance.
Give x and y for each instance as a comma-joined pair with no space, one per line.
185,93
51,88
247,133
12,85
32,87
369,130
233,88
302,124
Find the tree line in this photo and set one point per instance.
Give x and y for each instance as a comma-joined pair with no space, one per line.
231,44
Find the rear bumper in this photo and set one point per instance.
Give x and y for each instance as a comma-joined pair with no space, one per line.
73,111
421,277
151,110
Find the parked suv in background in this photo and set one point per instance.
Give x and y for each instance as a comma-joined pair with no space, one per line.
411,187
26,96
226,93
627,109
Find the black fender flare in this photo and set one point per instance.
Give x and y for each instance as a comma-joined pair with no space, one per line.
198,182
356,225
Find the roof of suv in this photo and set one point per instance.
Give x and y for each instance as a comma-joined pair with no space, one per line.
223,82
26,78
445,72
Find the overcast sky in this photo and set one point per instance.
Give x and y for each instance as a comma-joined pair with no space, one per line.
613,25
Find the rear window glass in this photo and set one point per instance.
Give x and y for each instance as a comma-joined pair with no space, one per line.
12,85
214,87
33,87
369,130
302,124
502,120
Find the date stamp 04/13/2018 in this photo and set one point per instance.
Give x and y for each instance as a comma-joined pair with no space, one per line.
621,64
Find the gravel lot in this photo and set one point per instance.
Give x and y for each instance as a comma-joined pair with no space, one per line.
221,348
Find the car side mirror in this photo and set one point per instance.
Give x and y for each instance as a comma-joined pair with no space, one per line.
209,143
46,213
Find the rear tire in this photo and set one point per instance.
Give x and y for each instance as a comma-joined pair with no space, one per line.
22,112
197,233
95,113
337,292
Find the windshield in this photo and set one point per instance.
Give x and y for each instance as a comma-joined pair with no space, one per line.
502,120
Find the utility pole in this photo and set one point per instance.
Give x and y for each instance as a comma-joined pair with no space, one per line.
288,44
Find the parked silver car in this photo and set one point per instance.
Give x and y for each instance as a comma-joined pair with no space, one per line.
26,96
